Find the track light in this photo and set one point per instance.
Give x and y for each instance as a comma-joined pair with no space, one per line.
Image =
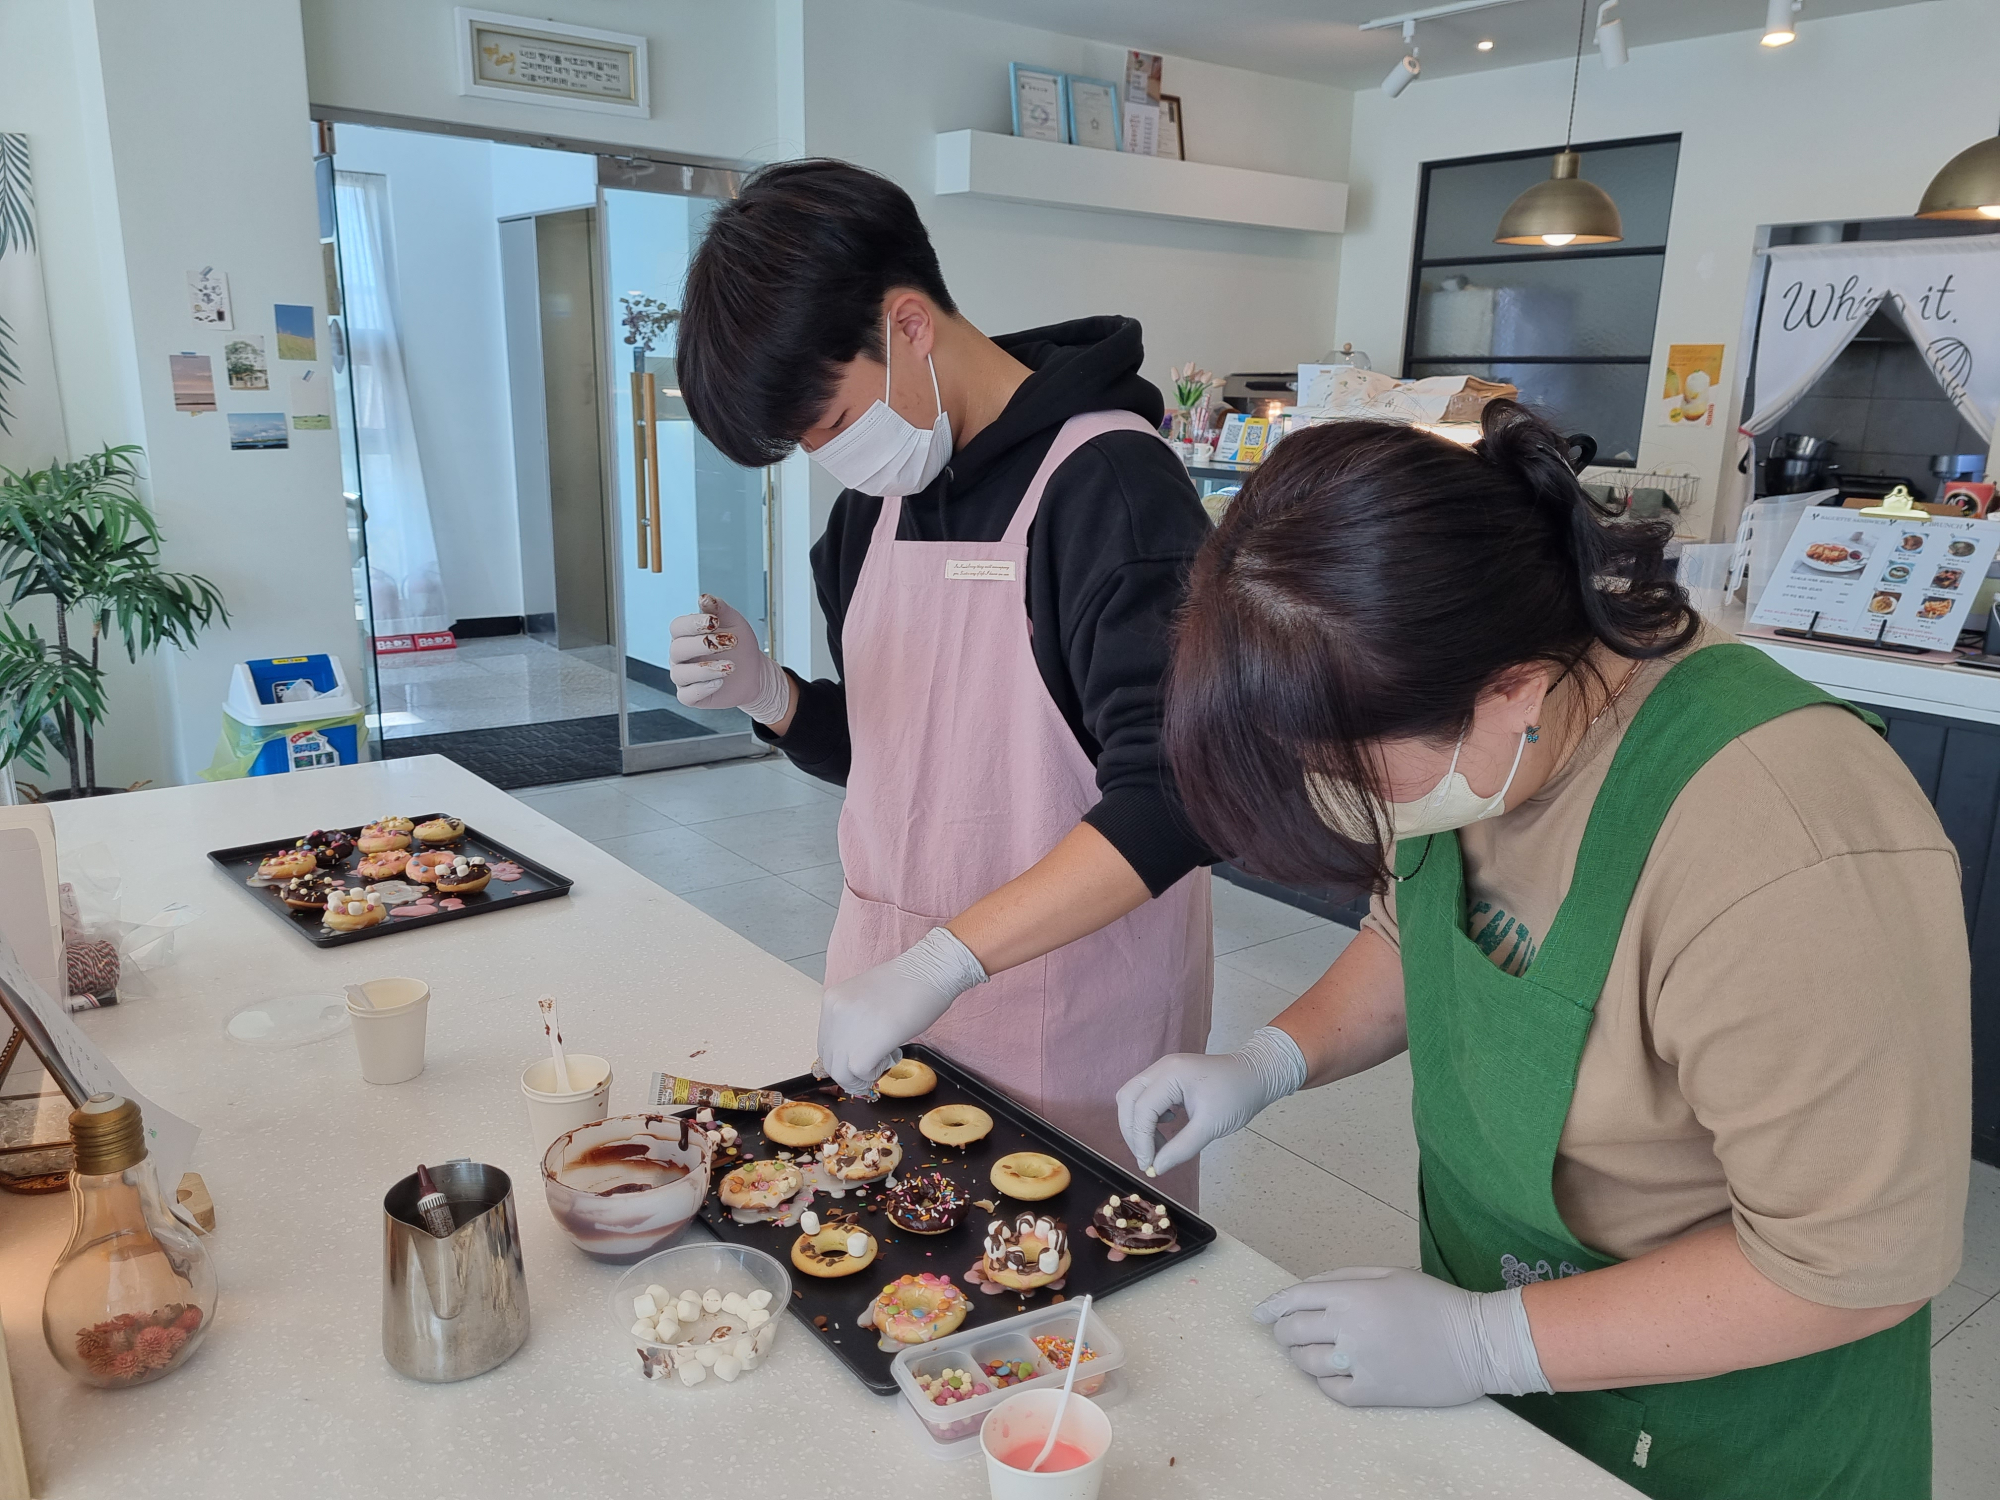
1487,45
1407,68
1610,35
1778,28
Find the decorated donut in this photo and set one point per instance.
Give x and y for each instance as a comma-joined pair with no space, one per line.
423,868
907,1080
441,831
955,1124
382,838
387,865
1134,1225
856,1155
288,864
917,1309
929,1203
801,1122
838,1247
329,850
349,911
1031,1252
761,1184
1030,1176
308,892
463,876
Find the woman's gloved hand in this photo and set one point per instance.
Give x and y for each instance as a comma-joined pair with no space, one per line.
864,1021
717,663
1220,1092
1372,1336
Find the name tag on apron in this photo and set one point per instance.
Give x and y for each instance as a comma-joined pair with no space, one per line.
990,571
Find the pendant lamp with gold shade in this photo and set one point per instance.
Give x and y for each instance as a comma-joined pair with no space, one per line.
1968,186
1565,210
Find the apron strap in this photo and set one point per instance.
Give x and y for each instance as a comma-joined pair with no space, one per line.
1709,698
1075,433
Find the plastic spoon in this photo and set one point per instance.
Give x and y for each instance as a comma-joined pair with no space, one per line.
554,1033
358,998
1069,1379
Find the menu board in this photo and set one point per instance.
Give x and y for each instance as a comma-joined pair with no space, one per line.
1903,581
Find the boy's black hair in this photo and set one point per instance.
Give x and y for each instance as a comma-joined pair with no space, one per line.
786,287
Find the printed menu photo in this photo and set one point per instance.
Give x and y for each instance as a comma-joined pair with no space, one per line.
1892,579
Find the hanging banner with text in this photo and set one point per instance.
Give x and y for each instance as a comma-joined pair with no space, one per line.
1945,293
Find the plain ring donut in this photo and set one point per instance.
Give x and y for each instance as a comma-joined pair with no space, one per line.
800,1122
955,1124
907,1080
1030,1176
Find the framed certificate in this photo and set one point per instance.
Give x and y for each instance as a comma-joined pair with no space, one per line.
1093,113
529,61
1038,103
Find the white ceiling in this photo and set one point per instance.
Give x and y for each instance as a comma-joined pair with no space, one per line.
1318,40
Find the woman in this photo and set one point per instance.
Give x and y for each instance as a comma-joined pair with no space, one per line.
1673,941
998,577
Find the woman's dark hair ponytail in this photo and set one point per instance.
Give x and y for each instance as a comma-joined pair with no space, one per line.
1635,609
1369,584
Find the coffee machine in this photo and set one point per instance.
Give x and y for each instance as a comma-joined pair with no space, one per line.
1798,462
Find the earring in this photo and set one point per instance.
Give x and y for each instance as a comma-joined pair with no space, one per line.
1534,733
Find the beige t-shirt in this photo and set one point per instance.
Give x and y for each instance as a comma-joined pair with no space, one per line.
1784,1037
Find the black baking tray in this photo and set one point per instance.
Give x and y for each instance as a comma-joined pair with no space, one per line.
538,883
841,1300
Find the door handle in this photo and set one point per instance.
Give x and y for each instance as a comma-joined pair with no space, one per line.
653,470
642,519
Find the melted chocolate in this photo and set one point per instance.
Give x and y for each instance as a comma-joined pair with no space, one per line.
1142,1229
926,1204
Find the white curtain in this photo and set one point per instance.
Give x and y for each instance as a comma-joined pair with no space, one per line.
1945,293
403,579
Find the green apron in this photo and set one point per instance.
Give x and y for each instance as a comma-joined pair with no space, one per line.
1495,1061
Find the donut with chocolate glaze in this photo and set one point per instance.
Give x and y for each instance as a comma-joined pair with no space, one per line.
331,850
929,1203
856,1155
1136,1225
308,892
1031,1252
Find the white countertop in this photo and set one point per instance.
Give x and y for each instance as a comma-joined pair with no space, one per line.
290,1395
1884,678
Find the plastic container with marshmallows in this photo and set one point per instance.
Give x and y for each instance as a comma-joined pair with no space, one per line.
951,1430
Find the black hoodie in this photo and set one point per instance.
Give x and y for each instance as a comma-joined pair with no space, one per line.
1108,555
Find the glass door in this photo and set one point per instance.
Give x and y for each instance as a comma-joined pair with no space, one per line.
685,520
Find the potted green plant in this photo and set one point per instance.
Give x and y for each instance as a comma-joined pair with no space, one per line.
79,535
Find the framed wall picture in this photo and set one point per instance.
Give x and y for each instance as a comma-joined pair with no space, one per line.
1093,113
1039,112
1171,142
527,61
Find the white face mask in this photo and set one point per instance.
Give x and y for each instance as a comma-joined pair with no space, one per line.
882,453
1450,804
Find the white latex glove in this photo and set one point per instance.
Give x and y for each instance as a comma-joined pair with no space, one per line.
864,1021
1372,1336
1220,1093
718,664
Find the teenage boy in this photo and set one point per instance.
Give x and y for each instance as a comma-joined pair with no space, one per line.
998,577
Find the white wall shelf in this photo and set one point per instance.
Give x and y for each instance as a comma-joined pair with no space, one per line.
986,165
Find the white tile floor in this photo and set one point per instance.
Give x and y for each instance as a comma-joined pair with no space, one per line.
752,843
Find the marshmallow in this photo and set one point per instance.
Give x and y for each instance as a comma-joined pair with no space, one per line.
1049,1261
643,1330
1113,1203
711,1301
659,1294
732,1302
706,1355
750,1360
687,1309
667,1329
728,1368
688,1294
744,1350
857,1244
644,1306
692,1373
809,1222
757,1317
764,1336
759,1298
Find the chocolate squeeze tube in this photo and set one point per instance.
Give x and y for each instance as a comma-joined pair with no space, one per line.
669,1091
432,1207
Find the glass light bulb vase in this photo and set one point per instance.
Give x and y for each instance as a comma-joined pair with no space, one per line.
133,1293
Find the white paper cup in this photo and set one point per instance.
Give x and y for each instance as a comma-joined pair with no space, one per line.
1025,1419
389,1034
551,1112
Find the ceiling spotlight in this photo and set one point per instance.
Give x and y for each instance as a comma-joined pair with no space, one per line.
1487,45
1611,35
1778,28
1407,68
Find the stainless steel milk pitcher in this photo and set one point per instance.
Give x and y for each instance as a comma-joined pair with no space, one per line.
457,1306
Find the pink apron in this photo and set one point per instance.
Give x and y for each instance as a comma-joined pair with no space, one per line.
964,774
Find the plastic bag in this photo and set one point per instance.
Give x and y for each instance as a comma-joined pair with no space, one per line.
109,958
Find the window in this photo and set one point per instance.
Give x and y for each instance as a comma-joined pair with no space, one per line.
1572,328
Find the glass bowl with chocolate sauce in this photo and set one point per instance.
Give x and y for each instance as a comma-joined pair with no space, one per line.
628,1186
